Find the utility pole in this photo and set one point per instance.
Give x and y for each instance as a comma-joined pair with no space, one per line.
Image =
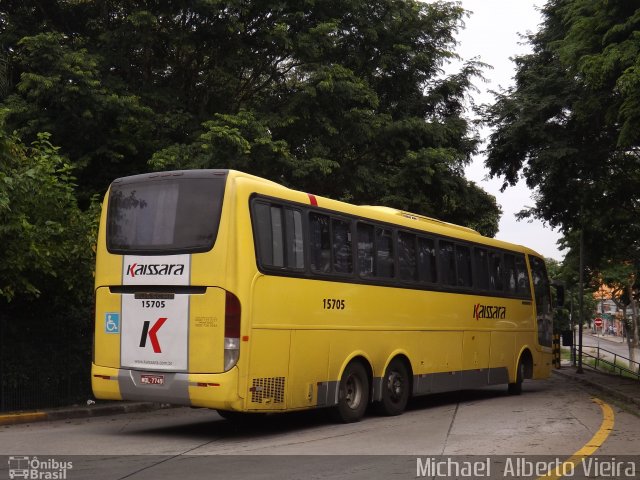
573,331
581,301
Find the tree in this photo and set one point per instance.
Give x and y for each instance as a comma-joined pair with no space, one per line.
61,90
345,99
570,124
560,126
46,274
42,235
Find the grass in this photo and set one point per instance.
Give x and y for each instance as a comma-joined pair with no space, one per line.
603,365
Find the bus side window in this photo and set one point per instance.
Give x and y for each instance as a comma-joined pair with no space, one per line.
384,253
481,258
270,239
522,276
320,243
463,265
279,236
427,260
495,271
365,250
294,243
511,275
447,263
342,256
407,256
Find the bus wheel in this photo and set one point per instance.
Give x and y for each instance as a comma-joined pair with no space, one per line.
395,389
232,415
241,417
353,394
516,388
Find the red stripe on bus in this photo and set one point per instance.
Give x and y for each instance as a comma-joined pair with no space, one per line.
312,199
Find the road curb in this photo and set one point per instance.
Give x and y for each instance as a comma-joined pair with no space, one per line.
22,417
581,378
13,418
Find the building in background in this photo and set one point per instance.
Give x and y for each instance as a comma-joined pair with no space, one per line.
609,312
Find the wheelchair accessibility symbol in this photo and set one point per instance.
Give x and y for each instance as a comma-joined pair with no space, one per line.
112,322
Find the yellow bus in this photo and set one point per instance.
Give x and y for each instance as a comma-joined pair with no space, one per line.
219,289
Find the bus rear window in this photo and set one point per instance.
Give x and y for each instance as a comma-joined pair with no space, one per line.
164,215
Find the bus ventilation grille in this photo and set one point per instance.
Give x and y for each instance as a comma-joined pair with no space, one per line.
268,388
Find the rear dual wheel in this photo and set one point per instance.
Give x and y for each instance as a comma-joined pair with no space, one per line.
395,389
353,394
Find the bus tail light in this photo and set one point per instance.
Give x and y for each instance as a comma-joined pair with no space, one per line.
231,331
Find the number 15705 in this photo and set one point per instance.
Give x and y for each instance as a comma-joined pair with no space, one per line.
333,304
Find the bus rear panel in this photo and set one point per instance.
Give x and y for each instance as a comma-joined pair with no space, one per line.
165,330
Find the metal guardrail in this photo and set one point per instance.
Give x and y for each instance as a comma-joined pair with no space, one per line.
612,366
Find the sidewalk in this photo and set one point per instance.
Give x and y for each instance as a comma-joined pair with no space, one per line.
626,390
610,338
111,408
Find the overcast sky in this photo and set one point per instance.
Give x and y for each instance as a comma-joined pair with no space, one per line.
491,34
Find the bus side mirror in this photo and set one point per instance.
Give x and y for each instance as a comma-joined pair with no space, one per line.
559,293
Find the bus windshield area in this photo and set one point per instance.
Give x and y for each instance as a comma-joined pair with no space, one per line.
177,214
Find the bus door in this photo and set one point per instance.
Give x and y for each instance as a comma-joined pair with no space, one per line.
542,293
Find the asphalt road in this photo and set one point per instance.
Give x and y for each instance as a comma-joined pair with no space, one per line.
552,418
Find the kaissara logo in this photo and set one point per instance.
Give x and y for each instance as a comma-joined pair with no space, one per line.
489,311
136,269
152,334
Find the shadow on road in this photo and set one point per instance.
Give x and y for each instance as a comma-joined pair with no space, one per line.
264,425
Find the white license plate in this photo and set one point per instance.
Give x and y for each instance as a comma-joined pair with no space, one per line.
152,379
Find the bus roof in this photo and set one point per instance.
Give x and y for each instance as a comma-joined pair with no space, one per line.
381,213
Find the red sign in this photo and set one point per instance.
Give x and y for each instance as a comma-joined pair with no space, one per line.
598,322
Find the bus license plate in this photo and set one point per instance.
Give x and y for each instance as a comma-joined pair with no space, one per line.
152,379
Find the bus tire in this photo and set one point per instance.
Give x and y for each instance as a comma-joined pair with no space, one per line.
516,388
232,415
353,394
241,417
395,389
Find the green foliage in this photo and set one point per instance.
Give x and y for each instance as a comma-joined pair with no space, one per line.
341,99
43,232
570,125
60,90
566,273
240,142
46,275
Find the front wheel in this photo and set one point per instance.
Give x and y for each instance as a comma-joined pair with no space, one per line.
516,388
395,389
353,394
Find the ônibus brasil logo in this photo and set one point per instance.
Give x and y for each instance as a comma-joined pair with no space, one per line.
136,269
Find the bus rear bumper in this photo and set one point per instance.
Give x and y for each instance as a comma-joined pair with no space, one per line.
210,390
